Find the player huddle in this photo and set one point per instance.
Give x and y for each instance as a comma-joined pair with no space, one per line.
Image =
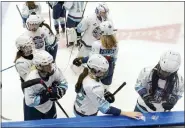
159,87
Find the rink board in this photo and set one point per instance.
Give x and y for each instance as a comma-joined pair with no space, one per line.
164,119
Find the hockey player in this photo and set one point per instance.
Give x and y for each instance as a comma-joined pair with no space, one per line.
37,96
106,46
75,13
43,38
90,92
28,8
160,87
58,15
90,27
23,60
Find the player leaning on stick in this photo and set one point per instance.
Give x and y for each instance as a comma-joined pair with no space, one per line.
160,87
89,26
106,46
90,91
37,96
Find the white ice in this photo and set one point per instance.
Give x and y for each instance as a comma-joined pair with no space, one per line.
132,57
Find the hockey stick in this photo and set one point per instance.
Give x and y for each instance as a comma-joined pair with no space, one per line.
4,118
21,15
37,81
10,67
124,83
49,17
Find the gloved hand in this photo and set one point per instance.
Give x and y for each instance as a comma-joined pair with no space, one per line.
148,103
44,96
49,48
109,97
77,61
170,103
55,93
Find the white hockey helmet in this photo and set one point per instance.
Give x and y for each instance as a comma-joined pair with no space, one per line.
98,65
33,22
25,44
170,61
102,7
106,28
41,59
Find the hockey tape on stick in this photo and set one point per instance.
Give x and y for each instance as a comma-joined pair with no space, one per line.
119,88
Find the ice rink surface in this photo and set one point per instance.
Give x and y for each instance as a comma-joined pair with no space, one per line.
133,55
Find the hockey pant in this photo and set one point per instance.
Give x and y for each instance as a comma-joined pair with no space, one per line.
31,113
58,14
72,24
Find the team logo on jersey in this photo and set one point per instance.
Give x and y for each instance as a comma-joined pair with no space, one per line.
96,33
39,43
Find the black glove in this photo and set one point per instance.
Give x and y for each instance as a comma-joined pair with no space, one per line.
109,97
44,96
49,48
77,61
148,103
55,93
171,101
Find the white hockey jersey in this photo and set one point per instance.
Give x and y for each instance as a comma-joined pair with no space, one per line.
41,37
90,27
98,48
26,11
32,98
75,10
92,100
23,67
143,81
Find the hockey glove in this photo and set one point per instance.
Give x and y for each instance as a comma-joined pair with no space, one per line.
109,97
148,103
49,48
44,96
55,93
172,100
77,61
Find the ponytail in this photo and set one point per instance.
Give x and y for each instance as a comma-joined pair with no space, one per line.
78,85
18,55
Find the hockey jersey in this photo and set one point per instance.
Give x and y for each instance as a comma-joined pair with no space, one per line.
91,29
98,48
41,37
23,67
75,10
144,81
91,100
26,11
32,97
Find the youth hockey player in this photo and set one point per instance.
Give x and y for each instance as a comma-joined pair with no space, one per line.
106,46
90,91
23,60
28,8
43,38
37,96
58,15
89,26
160,87
75,12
